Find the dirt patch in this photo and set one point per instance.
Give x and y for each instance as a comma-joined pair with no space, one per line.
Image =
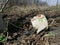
22,33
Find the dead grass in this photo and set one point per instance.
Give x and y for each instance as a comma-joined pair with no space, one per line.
23,9
17,10
28,8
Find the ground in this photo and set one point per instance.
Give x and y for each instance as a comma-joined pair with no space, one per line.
27,36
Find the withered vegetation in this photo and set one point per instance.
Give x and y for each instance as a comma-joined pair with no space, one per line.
20,28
